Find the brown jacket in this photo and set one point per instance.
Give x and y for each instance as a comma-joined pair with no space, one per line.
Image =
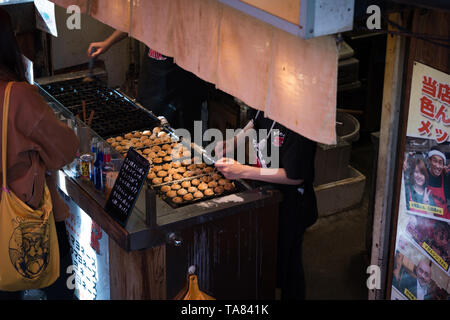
37,142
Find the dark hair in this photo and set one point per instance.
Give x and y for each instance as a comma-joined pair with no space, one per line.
10,56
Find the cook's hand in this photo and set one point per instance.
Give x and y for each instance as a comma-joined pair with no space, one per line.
230,168
97,48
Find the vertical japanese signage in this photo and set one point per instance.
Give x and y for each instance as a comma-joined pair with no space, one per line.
90,257
422,250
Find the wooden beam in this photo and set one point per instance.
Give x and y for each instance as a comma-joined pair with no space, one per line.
392,97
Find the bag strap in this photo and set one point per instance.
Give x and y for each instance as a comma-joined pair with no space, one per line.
5,132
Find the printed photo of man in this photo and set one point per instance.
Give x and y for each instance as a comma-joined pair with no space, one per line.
439,180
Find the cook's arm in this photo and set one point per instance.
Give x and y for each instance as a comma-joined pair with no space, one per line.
232,169
103,46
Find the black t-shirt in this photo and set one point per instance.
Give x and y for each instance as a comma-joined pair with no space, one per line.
296,153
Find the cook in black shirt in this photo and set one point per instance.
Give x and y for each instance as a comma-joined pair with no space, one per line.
294,177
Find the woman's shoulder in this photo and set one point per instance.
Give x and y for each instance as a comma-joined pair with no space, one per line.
25,93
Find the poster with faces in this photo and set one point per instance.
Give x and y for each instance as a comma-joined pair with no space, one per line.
422,249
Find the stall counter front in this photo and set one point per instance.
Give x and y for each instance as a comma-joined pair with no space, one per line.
230,237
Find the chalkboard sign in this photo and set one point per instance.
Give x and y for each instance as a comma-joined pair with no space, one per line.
127,187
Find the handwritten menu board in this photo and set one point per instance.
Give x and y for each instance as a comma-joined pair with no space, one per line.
128,185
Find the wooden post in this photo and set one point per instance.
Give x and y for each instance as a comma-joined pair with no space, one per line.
393,78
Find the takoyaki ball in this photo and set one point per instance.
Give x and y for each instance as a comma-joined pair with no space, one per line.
201,165
198,172
161,154
176,164
192,189
156,148
115,144
134,140
157,160
167,166
188,197
182,192
152,155
176,186
110,140
124,142
128,136
139,145
157,181
187,154
151,175
198,195
165,189
157,141
186,162
202,186
156,130
147,133
119,148
148,142
157,168
208,169
177,176
162,174
168,178
181,170
192,167
138,134
147,151
166,139
222,182
166,147
216,176
207,179
195,182
186,184
162,134
228,186
167,158
188,174
119,138
212,184
172,171
177,200
209,192
218,190
171,194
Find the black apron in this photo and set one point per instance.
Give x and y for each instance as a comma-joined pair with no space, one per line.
297,212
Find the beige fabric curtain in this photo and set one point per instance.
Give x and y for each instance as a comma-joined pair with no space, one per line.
294,81
115,13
